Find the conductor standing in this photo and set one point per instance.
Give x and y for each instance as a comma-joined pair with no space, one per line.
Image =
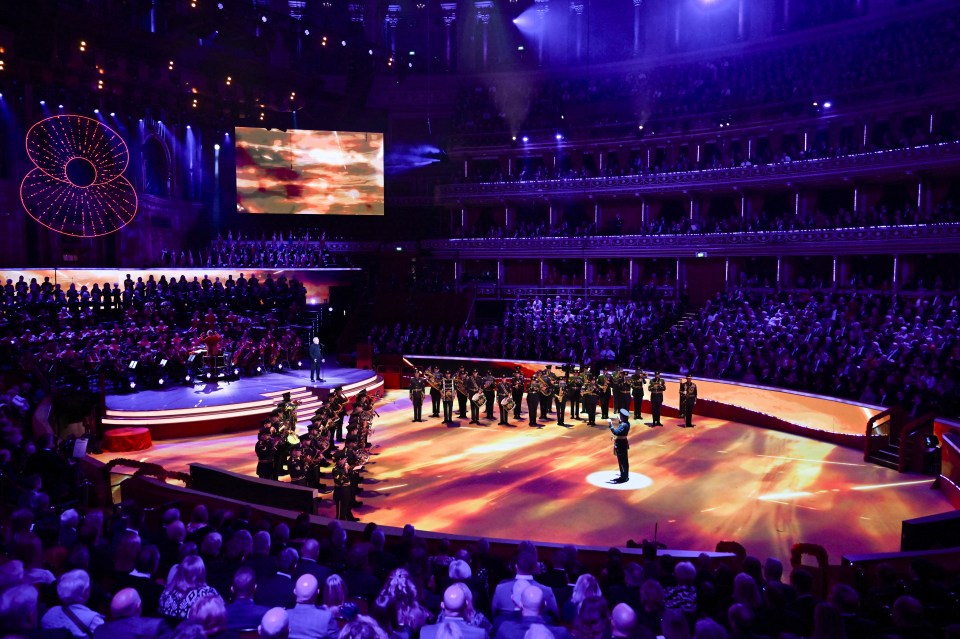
621,445
316,359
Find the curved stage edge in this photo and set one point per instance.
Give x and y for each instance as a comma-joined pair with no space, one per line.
230,406
826,419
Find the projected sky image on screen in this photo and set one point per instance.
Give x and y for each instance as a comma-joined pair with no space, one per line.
307,172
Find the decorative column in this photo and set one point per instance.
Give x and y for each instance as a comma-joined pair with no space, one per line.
484,7
543,7
636,26
576,8
449,10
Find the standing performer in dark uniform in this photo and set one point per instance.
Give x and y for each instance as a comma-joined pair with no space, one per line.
316,359
637,380
546,391
472,385
533,398
503,394
688,398
590,394
517,392
447,391
621,445
604,381
297,467
623,390
458,383
266,456
574,388
417,392
489,390
343,495
434,380
657,387
338,406
562,399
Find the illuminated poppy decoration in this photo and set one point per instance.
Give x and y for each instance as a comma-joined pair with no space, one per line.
78,187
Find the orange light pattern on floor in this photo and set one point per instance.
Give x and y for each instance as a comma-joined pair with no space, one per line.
718,481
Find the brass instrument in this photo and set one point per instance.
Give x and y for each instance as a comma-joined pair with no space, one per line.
561,393
431,379
589,388
459,385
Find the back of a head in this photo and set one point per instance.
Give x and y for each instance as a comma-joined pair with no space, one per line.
624,620
126,603
827,621
674,624
454,601
288,560
526,563
709,629
310,549
18,608
538,631
685,573
846,599
448,630
802,580
275,624
244,582
148,559
305,589
740,617
907,612
459,570
191,573
11,574
261,543
211,613
363,627
773,569
531,601
74,587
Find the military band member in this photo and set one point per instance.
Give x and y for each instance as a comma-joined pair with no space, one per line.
448,391
547,390
657,386
604,392
590,396
517,385
417,391
621,444
462,397
435,394
489,392
297,467
574,388
503,392
338,407
266,451
343,494
637,380
562,399
688,399
623,390
533,398
472,384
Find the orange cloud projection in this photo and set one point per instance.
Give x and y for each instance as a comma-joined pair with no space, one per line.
306,172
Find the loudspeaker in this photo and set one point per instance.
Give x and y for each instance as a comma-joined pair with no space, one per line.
931,532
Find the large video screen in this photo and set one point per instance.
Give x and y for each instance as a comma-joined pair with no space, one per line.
305,172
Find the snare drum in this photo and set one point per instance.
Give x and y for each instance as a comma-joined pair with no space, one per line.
508,403
479,398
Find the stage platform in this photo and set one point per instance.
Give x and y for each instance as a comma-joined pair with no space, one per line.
230,406
722,480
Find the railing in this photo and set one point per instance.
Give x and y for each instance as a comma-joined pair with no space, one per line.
882,429
928,154
913,443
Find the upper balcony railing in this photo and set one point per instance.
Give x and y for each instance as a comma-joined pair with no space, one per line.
814,170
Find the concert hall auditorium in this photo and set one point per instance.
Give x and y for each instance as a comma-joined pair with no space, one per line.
479,319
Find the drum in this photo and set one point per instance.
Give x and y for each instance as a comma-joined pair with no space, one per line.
479,398
448,395
508,403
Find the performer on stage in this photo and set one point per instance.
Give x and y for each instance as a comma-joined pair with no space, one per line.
297,467
489,391
637,380
435,395
459,381
417,392
688,399
472,385
623,390
343,493
621,445
657,387
574,388
604,392
533,398
266,451
316,359
562,399
503,394
590,395
212,342
338,407
517,385
546,391
447,390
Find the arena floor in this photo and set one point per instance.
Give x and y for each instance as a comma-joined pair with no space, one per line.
718,481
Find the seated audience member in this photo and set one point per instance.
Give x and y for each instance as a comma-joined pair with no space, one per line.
211,613
18,614
586,586
187,585
674,624
141,579
309,553
503,595
592,620
363,627
683,596
847,602
243,613
827,623
804,603
740,620
398,605
454,613
470,614
307,621
624,624
126,621
275,624
532,605
709,629
908,622
73,588
334,595
276,590
651,605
